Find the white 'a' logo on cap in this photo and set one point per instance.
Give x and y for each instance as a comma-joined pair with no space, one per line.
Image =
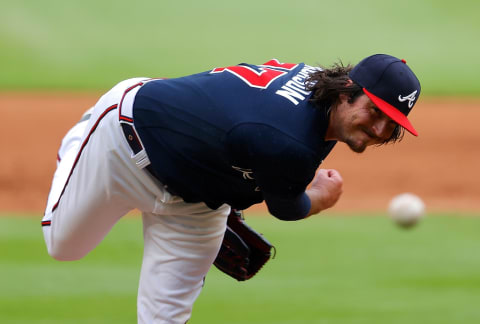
410,98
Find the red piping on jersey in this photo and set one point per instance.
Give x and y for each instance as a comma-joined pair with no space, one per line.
130,120
80,151
126,119
46,223
121,102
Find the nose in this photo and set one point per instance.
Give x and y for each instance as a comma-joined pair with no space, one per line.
382,128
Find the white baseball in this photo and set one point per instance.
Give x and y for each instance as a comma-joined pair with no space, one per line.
406,209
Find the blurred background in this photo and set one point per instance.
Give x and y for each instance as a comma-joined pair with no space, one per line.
57,58
91,45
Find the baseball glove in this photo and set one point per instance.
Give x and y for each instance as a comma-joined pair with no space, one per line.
244,251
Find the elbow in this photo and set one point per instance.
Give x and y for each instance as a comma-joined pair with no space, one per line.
290,209
289,217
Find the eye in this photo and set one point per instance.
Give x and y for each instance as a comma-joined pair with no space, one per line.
375,110
380,114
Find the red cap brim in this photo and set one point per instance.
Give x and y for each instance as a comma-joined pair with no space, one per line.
392,112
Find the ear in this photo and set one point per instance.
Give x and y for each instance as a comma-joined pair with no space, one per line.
343,97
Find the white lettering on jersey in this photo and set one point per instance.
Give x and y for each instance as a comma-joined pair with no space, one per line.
290,94
299,87
294,89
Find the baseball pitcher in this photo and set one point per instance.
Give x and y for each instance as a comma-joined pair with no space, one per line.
191,152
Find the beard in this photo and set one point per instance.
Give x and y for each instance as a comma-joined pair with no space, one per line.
357,147
359,140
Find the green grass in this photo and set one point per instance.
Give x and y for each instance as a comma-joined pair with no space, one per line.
54,44
332,269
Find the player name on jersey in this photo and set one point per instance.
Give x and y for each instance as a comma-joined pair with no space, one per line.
294,89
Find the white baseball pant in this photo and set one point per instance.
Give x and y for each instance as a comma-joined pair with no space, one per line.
99,179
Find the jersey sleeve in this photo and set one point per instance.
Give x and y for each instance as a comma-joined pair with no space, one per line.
282,168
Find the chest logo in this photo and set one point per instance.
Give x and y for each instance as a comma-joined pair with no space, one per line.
246,173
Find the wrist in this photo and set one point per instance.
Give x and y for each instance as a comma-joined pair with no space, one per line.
316,205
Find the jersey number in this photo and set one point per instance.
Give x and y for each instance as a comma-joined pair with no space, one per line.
259,77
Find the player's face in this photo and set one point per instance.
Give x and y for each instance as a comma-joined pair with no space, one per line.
360,124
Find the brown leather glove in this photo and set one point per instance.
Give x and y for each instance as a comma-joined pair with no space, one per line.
244,251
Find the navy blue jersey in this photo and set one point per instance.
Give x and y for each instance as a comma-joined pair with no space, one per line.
237,135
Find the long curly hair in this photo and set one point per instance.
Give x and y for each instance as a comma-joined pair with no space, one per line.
328,83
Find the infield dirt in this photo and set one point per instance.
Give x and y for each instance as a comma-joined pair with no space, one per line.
441,165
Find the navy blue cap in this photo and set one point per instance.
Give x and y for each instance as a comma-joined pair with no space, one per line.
390,84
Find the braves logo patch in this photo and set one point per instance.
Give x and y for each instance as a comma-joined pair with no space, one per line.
411,98
246,173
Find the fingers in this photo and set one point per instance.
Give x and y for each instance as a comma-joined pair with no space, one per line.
335,185
330,174
334,174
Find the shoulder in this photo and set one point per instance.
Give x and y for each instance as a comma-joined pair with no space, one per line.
269,141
